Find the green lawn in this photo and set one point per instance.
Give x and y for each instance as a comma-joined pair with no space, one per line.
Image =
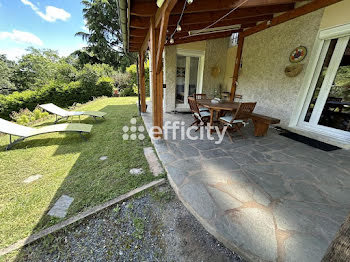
69,166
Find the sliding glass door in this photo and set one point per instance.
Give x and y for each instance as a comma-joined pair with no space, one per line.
327,106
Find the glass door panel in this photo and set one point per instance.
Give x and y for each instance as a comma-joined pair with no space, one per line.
320,79
187,76
336,111
193,81
327,107
180,79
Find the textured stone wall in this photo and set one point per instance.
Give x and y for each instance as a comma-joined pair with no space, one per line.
170,78
230,65
265,56
215,55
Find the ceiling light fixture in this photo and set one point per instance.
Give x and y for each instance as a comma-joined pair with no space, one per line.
172,41
214,30
178,28
189,2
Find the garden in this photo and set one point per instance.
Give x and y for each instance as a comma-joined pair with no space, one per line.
44,77
91,172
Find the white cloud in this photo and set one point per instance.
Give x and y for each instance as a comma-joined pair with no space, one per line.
51,13
66,51
13,53
21,37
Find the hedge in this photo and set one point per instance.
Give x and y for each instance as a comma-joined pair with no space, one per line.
60,94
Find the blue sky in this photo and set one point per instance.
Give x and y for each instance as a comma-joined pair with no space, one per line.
41,24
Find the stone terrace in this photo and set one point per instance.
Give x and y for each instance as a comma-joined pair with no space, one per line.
267,198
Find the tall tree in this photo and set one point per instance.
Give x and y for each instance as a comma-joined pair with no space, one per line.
104,36
7,68
35,69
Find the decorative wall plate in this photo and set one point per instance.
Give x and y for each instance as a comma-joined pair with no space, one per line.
298,54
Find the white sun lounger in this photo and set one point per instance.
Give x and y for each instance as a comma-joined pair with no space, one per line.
24,132
58,111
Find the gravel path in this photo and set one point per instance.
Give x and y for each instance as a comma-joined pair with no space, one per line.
152,227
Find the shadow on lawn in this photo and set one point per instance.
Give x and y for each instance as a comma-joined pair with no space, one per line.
91,181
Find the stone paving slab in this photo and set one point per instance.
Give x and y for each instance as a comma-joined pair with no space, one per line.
61,206
267,198
154,165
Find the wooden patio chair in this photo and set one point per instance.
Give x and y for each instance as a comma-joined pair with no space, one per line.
200,117
199,97
238,118
238,97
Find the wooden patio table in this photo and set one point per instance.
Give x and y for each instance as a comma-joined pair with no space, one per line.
217,107
261,123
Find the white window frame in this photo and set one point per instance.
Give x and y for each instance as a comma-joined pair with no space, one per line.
188,54
313,70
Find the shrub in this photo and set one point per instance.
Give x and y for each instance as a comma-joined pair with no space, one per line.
57,93
92,81
25,116
104,86
122,80
132,70
129,91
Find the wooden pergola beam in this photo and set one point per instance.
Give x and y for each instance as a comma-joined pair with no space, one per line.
219,5
184,33
163,31
157,19
202,37
156,106
302,10
156,40
135,40
149,8
142,81
161,41
251,21
179,37
138,32
140,24
239,13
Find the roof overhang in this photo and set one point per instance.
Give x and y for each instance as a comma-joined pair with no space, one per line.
245,14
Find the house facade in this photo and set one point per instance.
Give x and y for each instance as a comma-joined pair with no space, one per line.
208,66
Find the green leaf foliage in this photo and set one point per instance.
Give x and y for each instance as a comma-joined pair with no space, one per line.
92,81
104,38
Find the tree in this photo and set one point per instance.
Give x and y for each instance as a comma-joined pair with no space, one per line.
35,69
6,72
104,37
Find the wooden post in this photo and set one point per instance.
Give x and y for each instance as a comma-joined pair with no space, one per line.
157,89
142,81
237,66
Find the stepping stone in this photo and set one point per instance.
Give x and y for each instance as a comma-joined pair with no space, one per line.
31,179
136,171
103,158
153,162
61,206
